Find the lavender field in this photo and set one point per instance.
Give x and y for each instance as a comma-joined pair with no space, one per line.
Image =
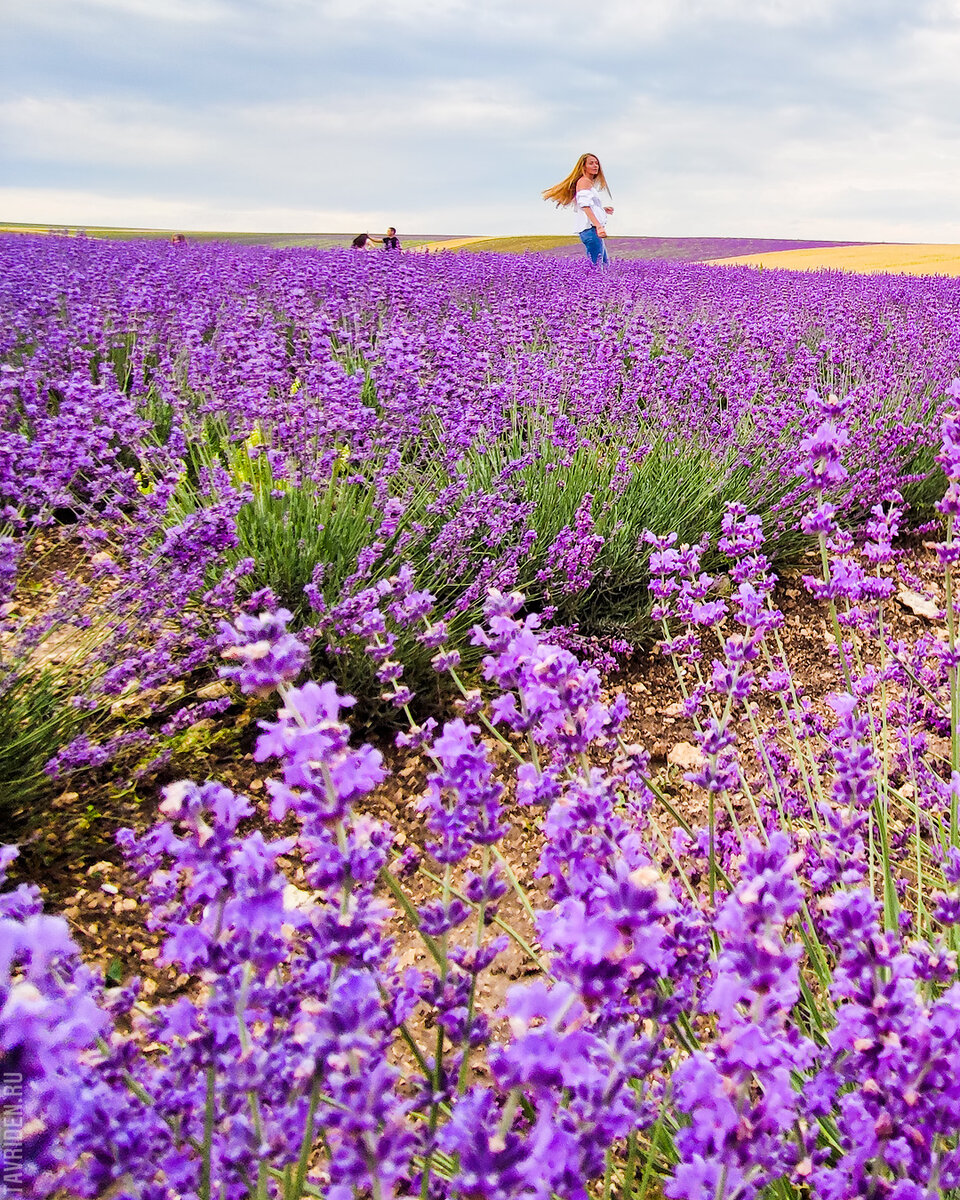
368,506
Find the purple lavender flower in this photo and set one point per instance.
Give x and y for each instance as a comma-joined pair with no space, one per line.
266,654
823,466
322,775
49,1015
738,1090
463,799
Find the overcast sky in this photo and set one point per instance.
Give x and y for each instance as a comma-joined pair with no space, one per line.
834,119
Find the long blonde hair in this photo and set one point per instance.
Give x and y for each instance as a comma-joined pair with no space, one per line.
563,193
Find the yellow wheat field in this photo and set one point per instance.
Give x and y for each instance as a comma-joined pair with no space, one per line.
866,260
450,243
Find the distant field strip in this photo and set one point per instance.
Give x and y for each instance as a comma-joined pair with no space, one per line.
883,258
450,243
862,258
678,249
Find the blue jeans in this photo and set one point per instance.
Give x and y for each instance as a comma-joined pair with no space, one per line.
595,246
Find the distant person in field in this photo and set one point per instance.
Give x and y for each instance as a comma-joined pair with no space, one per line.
178,239
581,190
366,241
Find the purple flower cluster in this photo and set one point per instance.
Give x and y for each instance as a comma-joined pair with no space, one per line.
739,1091
285,1032
888,1075
266,655
50,1016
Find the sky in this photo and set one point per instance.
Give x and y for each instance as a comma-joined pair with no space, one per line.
815,119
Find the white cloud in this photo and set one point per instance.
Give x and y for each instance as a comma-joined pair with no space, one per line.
402,12
471,105
644,19
56,206
780,171
923,69
98,131
941,10
464,108
188,12
274,134
766,12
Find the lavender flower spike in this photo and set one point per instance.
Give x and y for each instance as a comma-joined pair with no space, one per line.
266,655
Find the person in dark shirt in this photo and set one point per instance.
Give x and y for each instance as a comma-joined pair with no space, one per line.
365,241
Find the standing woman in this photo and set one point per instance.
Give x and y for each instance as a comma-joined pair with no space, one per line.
581,189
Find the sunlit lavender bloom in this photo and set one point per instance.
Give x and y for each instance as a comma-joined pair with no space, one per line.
322,774
463,800
752,609
949,456
819,520
434,636
892,1058
489,1163
742,533
49,1014
951,864
10,552
417,735
414,606
266,654
739,1090
437,918
720,769
823,450
882,530
856,764
841,850
829,405
570,558
559,699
